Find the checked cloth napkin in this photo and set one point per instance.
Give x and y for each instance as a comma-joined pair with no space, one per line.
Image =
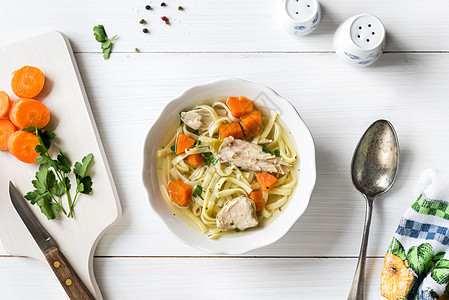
416,265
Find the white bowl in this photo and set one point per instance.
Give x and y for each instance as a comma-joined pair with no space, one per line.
242,242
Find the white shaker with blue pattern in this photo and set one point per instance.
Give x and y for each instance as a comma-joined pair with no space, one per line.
300,17
360,40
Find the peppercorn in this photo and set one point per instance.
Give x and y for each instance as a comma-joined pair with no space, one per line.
147,7
163,4
166,20
142,21
145,30
180,8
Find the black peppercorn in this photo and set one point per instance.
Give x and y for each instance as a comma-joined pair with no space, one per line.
145,30
147,7
163,4
142,21
180,8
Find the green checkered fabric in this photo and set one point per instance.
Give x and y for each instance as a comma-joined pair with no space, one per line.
433,208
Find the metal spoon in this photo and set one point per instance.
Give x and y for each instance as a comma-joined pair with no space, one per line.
373,170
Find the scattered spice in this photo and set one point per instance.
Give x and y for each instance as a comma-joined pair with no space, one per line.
142,21
163,4
137,50
166,20
148,7
180,8
145,30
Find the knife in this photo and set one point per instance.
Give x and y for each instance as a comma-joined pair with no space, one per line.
72,284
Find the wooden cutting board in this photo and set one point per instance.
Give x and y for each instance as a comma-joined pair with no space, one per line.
77,135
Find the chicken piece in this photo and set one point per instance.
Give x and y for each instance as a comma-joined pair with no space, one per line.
248,156
237,213
197,119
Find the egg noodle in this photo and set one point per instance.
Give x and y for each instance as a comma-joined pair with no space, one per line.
222,182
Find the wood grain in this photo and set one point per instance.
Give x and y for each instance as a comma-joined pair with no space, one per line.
72,284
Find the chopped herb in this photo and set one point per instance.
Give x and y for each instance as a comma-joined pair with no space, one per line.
196,143
197,132
266,150
197,192
102,37
145,30
277,153
237,230
148,7
209,158
173,148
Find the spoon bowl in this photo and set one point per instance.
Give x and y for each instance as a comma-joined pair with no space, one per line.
374,168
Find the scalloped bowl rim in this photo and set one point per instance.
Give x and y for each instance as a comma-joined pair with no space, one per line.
242,243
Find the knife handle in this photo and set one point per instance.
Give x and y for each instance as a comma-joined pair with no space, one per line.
72,284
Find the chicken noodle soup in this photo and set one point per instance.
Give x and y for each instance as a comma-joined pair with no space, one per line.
229,166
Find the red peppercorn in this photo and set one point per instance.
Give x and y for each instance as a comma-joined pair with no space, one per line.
166,20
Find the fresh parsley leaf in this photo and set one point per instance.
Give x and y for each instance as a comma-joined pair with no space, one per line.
63,163
266,150
30,129
197,192
173,149
58,190
81,168
214,160
102,37
209,158
237,230
84,185
277,153
196,143
100,33
197,132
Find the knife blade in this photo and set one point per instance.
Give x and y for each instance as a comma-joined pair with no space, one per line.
71,283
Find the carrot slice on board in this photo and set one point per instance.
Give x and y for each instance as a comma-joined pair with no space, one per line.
195,159
183,142
29,112
180,192
251,123
265,180
22,145
6,130
232,129
240,106
4,104
27,82
256,196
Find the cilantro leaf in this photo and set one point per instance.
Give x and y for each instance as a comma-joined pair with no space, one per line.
209,158
81,168
30,129
196,143
58,189
106,43
266,150
197,192
100,33
277,153
84,185
63,163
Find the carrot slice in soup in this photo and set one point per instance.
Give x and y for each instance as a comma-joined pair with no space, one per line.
27,82
256,196
195,159
21,144
183,142
29,112
232,129
6,130
265,180
4,104
240,106
251,123
180,192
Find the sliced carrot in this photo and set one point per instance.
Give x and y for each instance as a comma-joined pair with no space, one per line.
232,129
4,104
6,130
265,180
21,144
183,142
240,106
27,82
29,112
256,196
195,159
180,192
251,123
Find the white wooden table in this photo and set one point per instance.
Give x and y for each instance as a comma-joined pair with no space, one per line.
138,258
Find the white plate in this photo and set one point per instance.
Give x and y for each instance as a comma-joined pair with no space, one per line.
241,242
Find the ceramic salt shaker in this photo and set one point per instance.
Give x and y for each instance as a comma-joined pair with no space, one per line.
360,40
300,17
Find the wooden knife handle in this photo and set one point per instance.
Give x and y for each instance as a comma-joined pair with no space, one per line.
72,284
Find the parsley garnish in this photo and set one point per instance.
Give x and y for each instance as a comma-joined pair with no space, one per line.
197,132
102,37
173,149
197,192
52,180
277,153
237,230
266,150
209,158
196,143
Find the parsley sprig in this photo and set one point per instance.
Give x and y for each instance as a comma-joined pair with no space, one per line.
102,37
52,180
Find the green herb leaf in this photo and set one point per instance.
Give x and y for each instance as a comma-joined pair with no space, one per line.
277,153
173,149
237,230
100,33
84,185
58,190
197,132
29,129
102,37
81,168
63,163
196,143
197,192
266,150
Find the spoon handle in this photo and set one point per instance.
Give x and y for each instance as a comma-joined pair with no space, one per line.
357,291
